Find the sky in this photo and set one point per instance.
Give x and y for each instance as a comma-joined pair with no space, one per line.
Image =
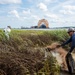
27,13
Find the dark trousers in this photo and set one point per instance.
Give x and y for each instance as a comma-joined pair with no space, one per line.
70,63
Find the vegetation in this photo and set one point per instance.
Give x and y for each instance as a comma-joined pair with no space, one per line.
23,53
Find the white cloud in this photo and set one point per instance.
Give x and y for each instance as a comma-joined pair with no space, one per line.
29,15
66,12
50,1
50,15
61,5
42,6
10,1
15,13
69,7
26,11
36,17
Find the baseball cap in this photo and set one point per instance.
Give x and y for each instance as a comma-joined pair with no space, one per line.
70,30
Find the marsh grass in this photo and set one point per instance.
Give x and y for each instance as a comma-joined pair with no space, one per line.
35,37
23,52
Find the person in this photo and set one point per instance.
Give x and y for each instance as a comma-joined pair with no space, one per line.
72,41
7,30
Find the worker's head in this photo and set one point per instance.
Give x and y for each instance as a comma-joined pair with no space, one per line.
70,31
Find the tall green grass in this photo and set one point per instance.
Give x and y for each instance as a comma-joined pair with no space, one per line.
36,37
19,39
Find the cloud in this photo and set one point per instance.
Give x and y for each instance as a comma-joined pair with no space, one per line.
15,13
26,11
67,12
50,15
42,6
35,17
69,7
10,1
61,5
50,1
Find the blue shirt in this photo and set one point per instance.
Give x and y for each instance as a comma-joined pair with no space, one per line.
72,40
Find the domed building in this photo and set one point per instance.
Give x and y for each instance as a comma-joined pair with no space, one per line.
43,26
43,23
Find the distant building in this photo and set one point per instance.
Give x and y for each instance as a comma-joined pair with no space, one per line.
43,23
42,26
34,26
22,27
